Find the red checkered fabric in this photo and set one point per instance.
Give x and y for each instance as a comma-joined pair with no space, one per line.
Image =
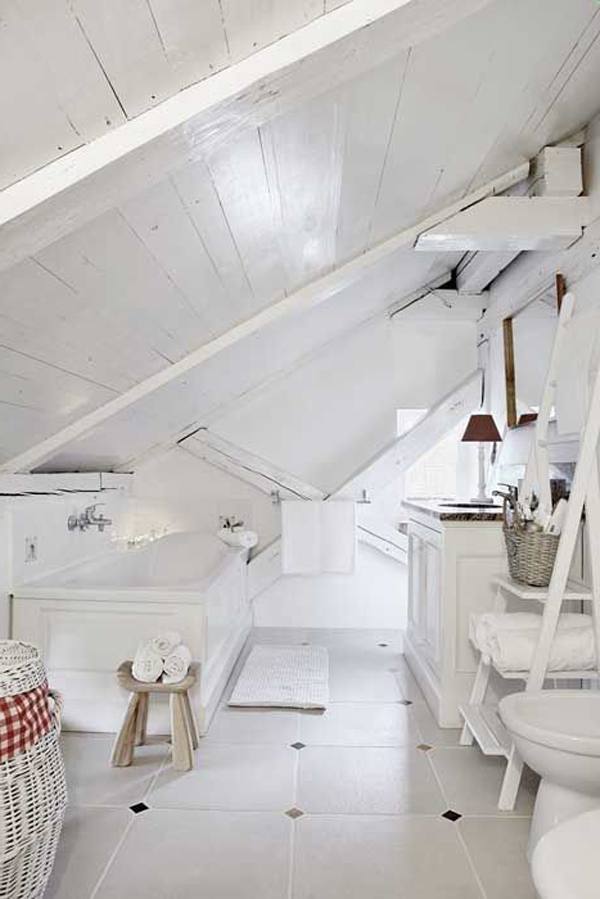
24,719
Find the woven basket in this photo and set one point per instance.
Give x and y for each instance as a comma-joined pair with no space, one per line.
33,794
531,555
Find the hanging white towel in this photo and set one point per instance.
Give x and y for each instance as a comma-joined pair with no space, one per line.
177,664
300,537
147,664
318,537
338,536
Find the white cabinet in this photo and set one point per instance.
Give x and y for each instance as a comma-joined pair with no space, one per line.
424,575
451,564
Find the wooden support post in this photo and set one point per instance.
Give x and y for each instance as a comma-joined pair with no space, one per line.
561,289
509,373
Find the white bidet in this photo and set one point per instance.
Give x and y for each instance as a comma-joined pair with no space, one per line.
557,733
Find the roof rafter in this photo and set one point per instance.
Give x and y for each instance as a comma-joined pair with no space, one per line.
332,49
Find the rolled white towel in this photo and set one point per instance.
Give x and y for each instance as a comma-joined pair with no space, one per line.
177,664
164,644
147,664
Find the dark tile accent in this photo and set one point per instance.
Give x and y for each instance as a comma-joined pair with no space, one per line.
138,807
298,745
451,815
424,747
294,813
405,701
383,645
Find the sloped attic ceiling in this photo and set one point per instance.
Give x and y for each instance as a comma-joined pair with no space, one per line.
213,240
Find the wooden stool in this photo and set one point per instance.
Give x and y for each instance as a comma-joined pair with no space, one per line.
184,733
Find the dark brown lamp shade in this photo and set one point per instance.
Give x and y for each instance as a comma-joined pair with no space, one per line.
481,429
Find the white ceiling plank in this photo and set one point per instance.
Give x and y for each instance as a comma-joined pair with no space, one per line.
202,203
253,24
371,105
302,300
510,223
164,225
109,264
511,85
303,154
128,45
58,97
328,52
192,37
240,180
439,88
558,96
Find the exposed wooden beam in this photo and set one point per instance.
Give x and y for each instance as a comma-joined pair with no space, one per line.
327,52
387,465
509,373
477,270
510,223
254,470
65,482
301,301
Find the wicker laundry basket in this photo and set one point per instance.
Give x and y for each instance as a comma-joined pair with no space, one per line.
531,555
33,793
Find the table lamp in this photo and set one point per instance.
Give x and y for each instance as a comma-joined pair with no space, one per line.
481,429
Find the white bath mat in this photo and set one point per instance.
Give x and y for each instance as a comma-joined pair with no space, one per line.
284,677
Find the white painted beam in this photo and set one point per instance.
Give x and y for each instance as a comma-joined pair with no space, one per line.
478,270
403,452
327,52
555,172
301,301
510,223
254,470
66,482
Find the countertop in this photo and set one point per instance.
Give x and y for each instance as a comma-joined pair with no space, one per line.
439,508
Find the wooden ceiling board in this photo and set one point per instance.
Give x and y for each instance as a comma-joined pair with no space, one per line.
252,24
55,97
204,392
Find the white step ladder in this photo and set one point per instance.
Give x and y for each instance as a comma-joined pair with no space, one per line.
482,723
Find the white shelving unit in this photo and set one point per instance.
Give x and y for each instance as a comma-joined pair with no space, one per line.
482,722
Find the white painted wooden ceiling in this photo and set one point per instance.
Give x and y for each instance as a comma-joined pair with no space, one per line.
139,287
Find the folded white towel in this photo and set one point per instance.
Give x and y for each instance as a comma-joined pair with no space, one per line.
177,664
164,644
147,664
510,639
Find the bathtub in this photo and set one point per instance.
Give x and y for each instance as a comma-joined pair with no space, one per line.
90,617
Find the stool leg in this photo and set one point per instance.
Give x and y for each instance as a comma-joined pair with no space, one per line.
180,737
191,720
122,753
141,721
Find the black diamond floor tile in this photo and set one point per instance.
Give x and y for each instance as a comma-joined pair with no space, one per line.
298,745
138,807
451,815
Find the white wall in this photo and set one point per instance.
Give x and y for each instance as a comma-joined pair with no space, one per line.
374,597
175,491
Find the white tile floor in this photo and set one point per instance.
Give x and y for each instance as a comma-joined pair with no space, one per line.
371,802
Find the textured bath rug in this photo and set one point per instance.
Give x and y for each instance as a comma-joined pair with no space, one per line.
284,677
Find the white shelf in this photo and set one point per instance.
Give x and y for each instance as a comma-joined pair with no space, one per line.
550,675
573,591
484,723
